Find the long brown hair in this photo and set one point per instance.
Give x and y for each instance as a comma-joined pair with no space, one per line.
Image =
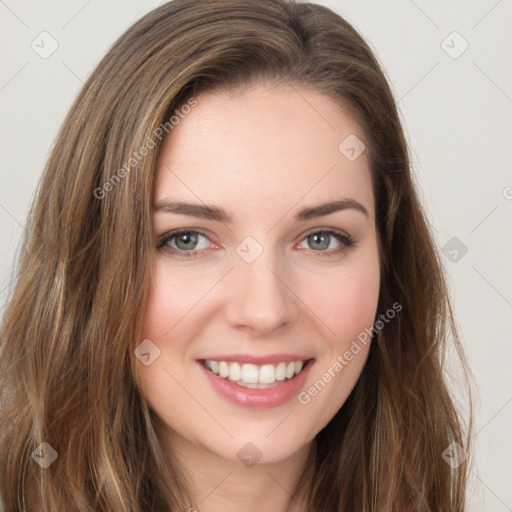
84,274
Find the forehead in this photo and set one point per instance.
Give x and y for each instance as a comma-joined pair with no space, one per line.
261,147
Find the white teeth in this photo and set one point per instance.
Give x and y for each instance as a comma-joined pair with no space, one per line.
258,386
235,372
223,369
267,374
281,371
253,376
249,374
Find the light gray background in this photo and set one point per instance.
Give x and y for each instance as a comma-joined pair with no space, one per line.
457,113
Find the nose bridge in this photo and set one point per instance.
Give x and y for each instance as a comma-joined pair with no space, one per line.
260,298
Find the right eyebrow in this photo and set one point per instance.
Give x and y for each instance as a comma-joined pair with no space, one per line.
219,214
195,210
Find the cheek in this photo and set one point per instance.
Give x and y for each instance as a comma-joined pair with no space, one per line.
345,299
165,323
346,302
172,297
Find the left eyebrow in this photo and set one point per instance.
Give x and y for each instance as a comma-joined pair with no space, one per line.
219,214
328,208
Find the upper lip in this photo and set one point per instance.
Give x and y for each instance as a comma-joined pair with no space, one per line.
258,360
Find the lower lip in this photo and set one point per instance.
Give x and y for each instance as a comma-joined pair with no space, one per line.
247,397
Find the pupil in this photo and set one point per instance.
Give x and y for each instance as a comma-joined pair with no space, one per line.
317,237
189,238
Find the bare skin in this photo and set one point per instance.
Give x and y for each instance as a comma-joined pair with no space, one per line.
263,155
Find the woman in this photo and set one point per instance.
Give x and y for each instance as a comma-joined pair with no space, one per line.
228,296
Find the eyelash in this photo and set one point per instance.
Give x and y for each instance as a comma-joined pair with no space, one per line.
347,243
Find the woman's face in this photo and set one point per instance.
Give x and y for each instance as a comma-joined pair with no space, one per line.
255,285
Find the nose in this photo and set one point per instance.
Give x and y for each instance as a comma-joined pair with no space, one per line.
261,297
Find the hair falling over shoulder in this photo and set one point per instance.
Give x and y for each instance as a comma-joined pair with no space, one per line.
84,272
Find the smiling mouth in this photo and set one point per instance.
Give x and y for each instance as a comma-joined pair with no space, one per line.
256,376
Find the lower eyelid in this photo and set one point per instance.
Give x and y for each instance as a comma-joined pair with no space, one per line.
173,236
344,239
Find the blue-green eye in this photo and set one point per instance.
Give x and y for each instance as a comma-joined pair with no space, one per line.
183,243
318,241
